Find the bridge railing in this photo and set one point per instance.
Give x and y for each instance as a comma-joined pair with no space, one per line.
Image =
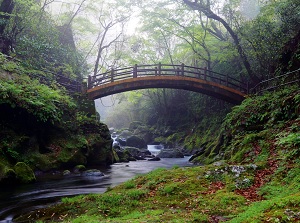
272,84
137,71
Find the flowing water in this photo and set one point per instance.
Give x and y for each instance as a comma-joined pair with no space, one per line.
50,188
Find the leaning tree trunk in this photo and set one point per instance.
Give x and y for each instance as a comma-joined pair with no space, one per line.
6,9
210,14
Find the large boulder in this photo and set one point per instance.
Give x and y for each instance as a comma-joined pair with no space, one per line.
138,153
170,153
7,175
143,132
123,155
134,141
125,134
122,142
24,173
154,159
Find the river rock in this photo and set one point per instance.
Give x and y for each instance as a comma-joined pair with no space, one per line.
125,134
123,155
144,133
79,168
170,153
137,152
93,173
122,142
66,172
154,159
24,173
135,141
7,175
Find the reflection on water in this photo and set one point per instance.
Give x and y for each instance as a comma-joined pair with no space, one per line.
49,189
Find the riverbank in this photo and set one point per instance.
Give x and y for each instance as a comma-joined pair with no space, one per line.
49,189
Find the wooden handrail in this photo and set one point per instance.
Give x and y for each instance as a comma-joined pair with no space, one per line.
159,69
277,82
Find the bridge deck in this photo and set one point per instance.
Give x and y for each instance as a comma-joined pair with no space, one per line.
167,76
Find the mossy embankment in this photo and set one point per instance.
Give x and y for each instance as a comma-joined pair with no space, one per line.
45,127
255,177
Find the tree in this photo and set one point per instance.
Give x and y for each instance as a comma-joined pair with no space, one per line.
205,7
6,42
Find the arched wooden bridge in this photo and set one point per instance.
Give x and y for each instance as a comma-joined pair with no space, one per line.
181,76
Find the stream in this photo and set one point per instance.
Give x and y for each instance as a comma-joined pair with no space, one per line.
49,189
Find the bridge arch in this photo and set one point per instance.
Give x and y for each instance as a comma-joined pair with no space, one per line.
167,76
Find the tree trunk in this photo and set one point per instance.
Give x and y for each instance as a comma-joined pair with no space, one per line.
210,14
6,9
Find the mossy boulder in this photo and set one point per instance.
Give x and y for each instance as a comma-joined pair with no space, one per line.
125,134
24,173
66,172
99,151
138,153
7,175
134,141
170,153
79,168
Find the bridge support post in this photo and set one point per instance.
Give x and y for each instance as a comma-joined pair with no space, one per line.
135,71
159,68
112,73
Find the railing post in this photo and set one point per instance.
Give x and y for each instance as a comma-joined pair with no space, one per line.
155,72
112,73
159,68
182,69
177,71
135,71
205,72
89,82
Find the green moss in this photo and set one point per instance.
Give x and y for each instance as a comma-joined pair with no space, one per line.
80,168
115,156
24,173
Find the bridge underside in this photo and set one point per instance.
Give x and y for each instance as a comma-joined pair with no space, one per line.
177,82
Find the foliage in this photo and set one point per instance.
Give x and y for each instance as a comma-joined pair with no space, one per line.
292,139
259,112
24,173
44,103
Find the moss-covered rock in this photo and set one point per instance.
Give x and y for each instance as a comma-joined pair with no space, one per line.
79,168
7,175
135,141
24,173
